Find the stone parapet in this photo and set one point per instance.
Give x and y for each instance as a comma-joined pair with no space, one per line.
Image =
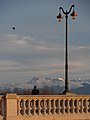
43,107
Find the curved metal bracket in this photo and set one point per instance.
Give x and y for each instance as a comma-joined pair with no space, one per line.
70,9
66,13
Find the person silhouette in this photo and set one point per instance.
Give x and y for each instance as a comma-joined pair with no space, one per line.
35,91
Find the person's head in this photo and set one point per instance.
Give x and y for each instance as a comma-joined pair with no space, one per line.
35,87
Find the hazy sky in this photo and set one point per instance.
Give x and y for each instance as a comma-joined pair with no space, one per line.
36,46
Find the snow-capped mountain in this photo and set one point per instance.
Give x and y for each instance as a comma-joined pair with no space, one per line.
41,82
55,84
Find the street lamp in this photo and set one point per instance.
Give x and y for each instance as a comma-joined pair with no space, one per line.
59,17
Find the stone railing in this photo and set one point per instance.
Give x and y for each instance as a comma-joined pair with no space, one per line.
50,105
38,107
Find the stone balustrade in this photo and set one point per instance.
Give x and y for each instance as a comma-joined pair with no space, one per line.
41,105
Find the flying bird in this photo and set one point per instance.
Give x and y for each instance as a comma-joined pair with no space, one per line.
13,28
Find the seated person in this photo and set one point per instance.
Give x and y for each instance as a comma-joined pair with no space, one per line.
35,91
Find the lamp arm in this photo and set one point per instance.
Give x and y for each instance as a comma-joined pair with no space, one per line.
72,6
62,10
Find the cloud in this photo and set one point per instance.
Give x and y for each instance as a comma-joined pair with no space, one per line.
76,65
6,63
15,66
25,41
26,56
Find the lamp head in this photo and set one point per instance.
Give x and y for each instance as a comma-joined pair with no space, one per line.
73,15
59,17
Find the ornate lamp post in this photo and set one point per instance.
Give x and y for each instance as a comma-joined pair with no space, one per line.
59,17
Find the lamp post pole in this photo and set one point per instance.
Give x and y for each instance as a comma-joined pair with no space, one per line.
66,56
59,17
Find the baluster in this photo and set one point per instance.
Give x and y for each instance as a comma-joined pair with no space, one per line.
77,106
44,107
48,106
81,106
31,104
66,105
54,107
42,104
34,107
58,106
68,108
21,104
28,108
31,107
18,107
72,106
39,107
24,107
86,106
63,106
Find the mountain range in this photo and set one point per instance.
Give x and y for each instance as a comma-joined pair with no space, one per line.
51,85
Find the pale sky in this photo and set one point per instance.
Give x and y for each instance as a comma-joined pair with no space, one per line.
36,46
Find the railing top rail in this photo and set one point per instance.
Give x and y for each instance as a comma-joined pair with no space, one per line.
53,96
73,96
